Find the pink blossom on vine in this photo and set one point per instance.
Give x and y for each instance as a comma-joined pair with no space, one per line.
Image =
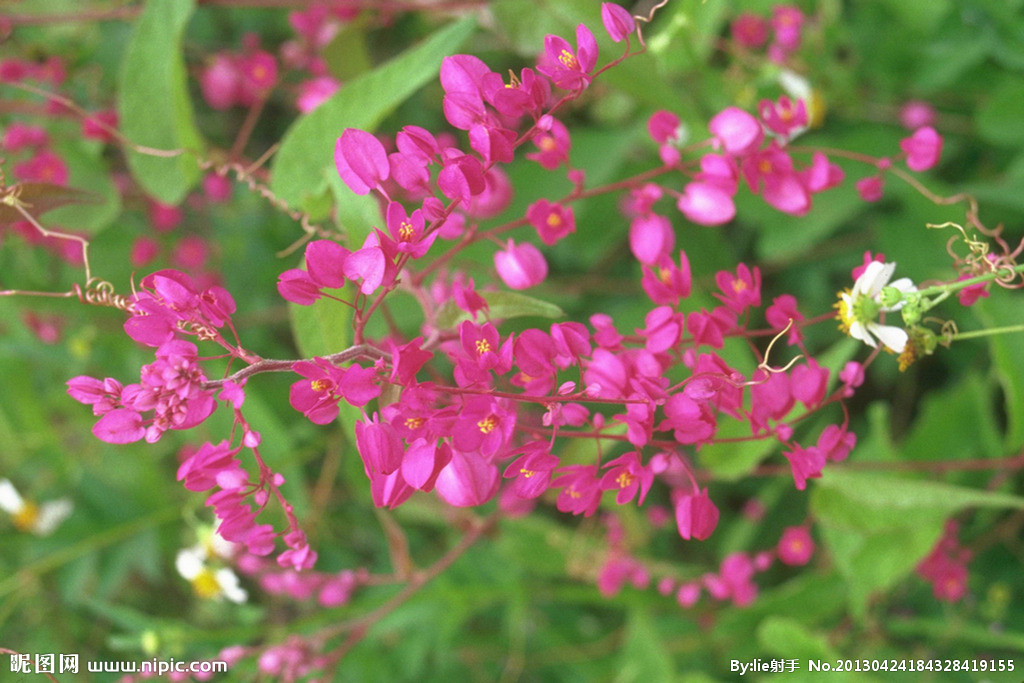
741,290
552,221
220,82
361,161
923,149
165,217
651,238
103,395
796,547
787,22
553,143
835,443
706,204
749,30
870,188
531,472
663,327
295,285
810,381
567,69
18,136
783,117
709,328
770,171
737,131
968,296
379,445
461,176
406,361
696,515
917,114
781,312
316,91
325,263
423,461
692,422
852,376
467,480
218,188
667,283
627,475
406,231
663,127
806,463
618,22
371,265
580,490
388,490
771,398
945,567
520,266
45,166
97,126
822,174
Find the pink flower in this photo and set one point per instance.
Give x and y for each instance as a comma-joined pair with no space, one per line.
749,30
218,188
810,381
325,263
706,204
407,231
663,126
361,161
553,143
423,462
771,170
968,296
785,117
581,492
369,264
923,149
467,480
618,22
737,131
696,516
651,238
628,476
666,283
165,217
296,286
740,291
379,445
917,114
821,174
787,20
532,470
552,221
258,72
806,463
144,250
316,91
870,188
98,126
781,312
220,82
520,266
19,136
44,167
796,547
566,69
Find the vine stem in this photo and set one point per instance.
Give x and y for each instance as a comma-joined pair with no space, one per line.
269,365
358,628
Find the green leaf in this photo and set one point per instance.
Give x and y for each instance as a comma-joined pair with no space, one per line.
998,119
789,638
325,327
501,306
896,494
644,657
306,156
87,171
153,102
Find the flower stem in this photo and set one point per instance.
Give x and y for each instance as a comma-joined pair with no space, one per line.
974,334
951,287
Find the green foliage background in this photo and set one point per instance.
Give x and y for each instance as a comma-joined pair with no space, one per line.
521,604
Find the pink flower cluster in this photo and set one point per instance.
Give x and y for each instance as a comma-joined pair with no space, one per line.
750,31
170,388
245,79
945,567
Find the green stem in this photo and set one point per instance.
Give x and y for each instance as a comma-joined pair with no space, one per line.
951,287
974,334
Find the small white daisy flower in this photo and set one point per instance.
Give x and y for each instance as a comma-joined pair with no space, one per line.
41,520
208,583
859,307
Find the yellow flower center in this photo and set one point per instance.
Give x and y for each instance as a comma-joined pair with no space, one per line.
321,385
526,473
25,519
738,286
624,480
205,584
414,422
482,346
554,220
487,424
548,144
568,60
665,275
405,231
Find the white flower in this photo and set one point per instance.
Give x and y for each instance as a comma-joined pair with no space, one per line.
207,582
41,520
859,307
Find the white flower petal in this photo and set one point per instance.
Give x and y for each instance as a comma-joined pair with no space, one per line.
860,332
189,563
880,278
228,581
51,514
893,337
10,500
